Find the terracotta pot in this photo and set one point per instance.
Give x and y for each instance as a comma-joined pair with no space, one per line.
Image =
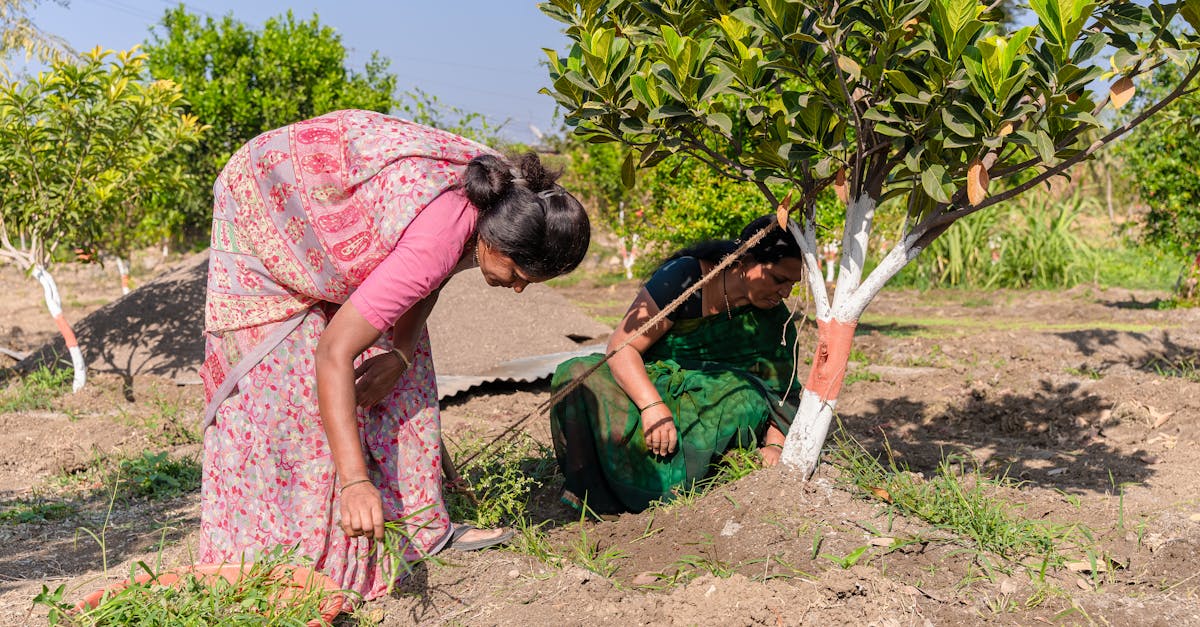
303,578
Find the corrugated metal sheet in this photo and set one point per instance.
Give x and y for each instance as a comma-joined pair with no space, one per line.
523,370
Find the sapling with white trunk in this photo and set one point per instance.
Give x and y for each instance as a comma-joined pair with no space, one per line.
76,142
934,107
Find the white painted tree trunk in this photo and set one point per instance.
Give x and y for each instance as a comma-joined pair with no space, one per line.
835,322
54,304
123,269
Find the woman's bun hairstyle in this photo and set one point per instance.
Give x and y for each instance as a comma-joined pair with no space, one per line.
525,215
488,179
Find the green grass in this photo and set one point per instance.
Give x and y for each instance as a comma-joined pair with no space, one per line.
36,391
194,601
733,465
1186,368
960,499
155,476
23,511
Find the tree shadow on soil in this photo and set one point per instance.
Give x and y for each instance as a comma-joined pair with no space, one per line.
1165,352
1048,437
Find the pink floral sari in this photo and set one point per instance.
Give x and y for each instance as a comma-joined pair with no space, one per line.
302,215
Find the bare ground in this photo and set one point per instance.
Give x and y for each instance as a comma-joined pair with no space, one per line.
1074,394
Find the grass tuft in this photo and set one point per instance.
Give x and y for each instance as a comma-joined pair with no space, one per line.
959,498
36,391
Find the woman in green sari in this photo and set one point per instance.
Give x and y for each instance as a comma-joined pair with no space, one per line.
707,379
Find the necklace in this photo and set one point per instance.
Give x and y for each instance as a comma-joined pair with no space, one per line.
725,293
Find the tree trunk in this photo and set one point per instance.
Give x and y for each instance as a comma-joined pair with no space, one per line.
123,269
836,321
54,304
802,449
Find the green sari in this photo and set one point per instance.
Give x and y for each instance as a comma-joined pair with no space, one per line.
722,379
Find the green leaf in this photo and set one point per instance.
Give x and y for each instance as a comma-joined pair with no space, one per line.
935,181
628,167
901,82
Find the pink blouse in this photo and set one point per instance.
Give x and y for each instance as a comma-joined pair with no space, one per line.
426,254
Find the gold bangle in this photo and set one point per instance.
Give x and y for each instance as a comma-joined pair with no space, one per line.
778,446
404,360
658,402
352,483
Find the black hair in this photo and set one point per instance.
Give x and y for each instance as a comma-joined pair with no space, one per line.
777,244
525,215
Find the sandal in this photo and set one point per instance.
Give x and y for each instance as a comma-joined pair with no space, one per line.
460,530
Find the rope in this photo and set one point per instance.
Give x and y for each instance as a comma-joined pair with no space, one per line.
545,406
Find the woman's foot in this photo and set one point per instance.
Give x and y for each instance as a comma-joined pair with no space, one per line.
464,537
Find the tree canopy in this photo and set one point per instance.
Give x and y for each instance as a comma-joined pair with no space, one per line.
242,82
77,144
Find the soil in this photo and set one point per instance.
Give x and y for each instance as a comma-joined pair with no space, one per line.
1087,399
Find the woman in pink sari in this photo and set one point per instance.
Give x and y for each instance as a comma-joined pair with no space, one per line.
331,238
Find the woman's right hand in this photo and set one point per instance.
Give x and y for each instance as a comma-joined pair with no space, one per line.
658,429
362,511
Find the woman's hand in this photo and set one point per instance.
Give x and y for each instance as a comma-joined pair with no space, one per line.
362,510
770,454
658,429
377,376
772,447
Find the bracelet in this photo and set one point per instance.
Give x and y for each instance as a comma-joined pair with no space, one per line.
778,446
404,360
352,483
658,402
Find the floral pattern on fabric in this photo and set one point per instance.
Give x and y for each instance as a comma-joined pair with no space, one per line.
301,216
269,478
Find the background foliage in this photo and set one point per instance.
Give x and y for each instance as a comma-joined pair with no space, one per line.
242,82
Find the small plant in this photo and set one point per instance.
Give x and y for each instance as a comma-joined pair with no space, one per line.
23,512
156,476
734,464
35,391
1187,368
501,482
850,559
587,553
394,549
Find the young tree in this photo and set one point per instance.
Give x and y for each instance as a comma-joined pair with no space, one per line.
242,82
920,102
76,142
1164,153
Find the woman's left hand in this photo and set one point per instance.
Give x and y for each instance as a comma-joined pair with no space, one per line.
376,377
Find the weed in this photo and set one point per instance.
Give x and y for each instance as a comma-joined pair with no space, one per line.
850,559
532,540
197,600
587,553
1085,371
1187,368
735,464
156,476
36,512
35,391
959,500
502,482
862,374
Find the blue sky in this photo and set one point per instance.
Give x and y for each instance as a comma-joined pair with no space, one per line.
479,55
